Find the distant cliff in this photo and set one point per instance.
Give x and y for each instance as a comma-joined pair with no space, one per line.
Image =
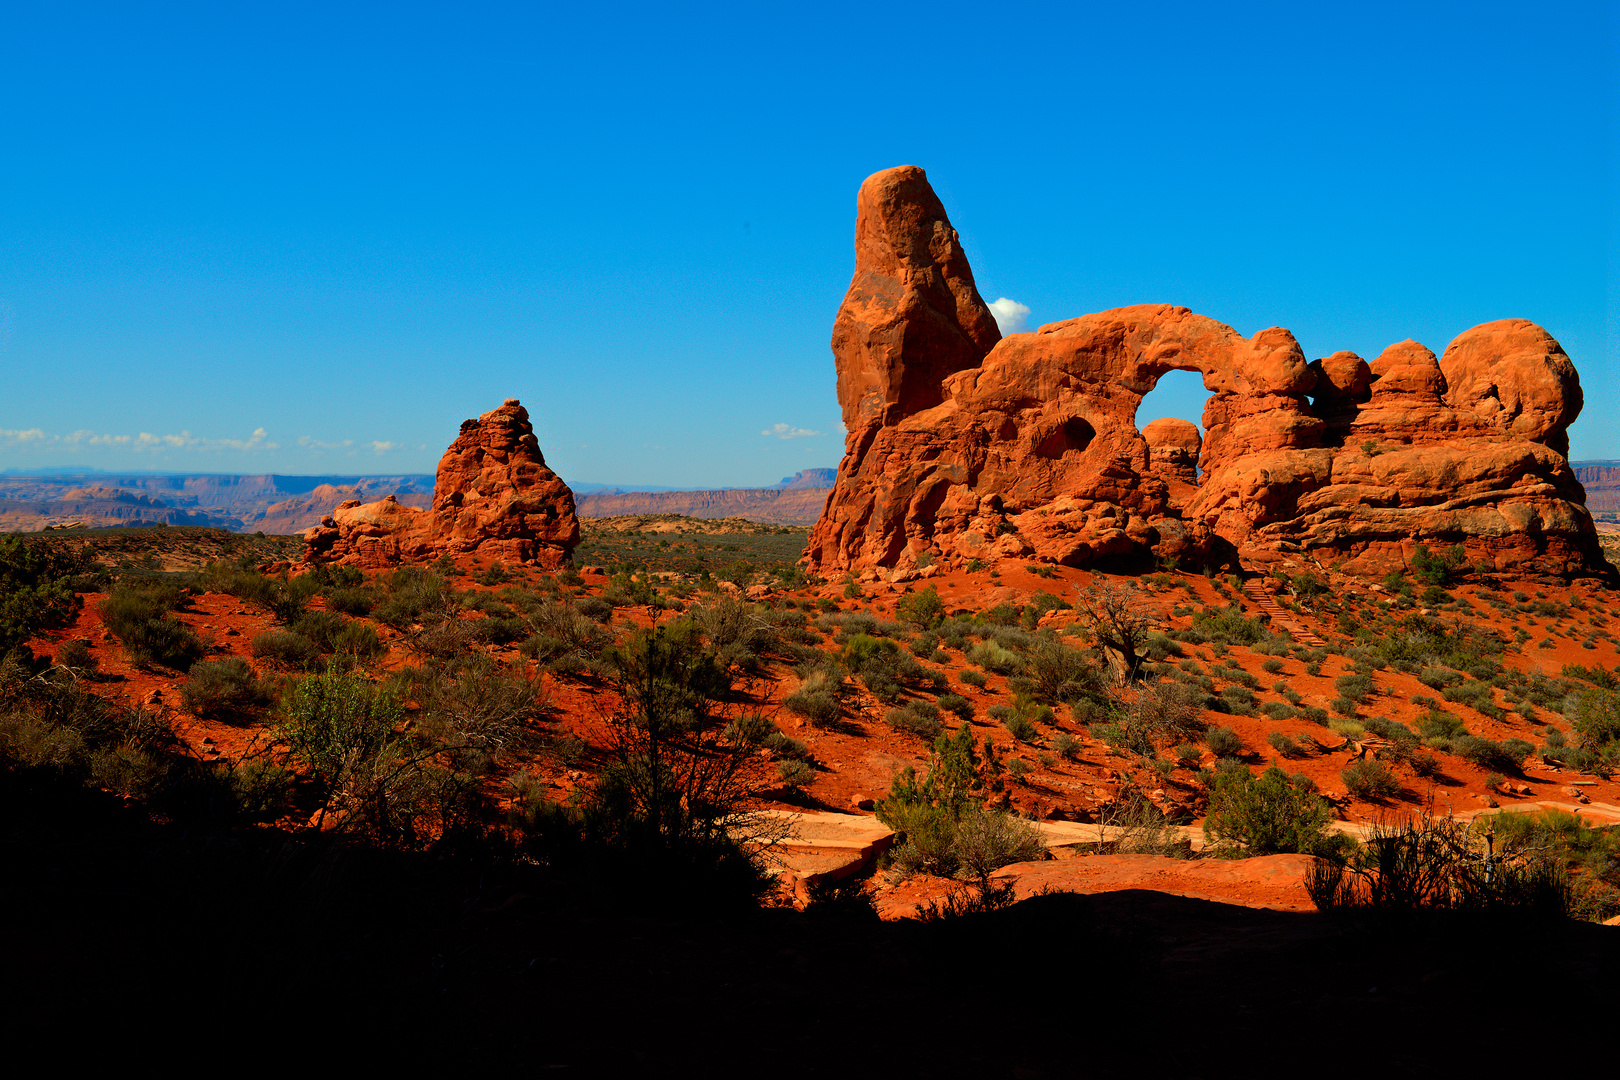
1602,483
778,506
264,503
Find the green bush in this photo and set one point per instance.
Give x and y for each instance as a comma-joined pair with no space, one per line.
1477,695
957,704
1283,744
286,649
941,826
972,678
818,699
1268,814
993,656
917,718
795,773
217,688
922,609
415,596
75,655
140,619
357,601
1505,756
1223,741
36,594
1356,688
1229,626
1370,780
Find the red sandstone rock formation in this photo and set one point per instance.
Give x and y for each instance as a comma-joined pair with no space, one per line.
1173,449
1030,449
494,497
912,314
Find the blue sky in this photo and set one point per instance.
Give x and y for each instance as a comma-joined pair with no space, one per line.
313,239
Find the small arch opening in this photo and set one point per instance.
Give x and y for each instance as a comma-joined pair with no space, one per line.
1177,395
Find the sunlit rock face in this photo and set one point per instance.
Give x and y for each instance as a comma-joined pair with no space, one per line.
963,444
494,497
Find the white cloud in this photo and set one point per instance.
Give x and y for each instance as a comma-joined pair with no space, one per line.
144,441
784,431
381,447
1010,315
316,444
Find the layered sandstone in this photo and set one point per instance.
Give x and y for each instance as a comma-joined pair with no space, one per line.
963,446
494,497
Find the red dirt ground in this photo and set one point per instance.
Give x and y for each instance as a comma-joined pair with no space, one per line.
857,763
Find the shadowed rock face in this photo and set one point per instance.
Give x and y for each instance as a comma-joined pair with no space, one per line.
494,496
961,445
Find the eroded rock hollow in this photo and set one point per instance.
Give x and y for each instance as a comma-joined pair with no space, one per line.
493,497
964,444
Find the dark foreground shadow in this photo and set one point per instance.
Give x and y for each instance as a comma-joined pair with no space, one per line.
131,941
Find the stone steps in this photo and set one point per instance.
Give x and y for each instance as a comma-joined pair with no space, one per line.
1281,618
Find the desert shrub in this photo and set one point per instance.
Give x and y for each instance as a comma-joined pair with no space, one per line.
818,699
1268,814
1355,688
1238,699
987,840
1187,756
75,655
972,678
795,773
1477,695
140,619
923,609
917,718
937,819
1066,745
1272,666
1435,724
320,627
1062,673
1344,706
1021,727
1284,744
1278,710
750,728
1170,710
334,723
1229,626
357,601
1389,729
1223,742
286,649
1506,756
993,656
881,665
1441,568
957,704
1595,716
217,688
738,632
1438,678
1370,780
36,593
415,596
1438,864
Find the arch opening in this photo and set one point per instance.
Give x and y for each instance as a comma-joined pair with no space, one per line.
1176,395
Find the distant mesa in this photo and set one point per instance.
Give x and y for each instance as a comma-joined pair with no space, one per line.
964,444
809,478
494,497
268,503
